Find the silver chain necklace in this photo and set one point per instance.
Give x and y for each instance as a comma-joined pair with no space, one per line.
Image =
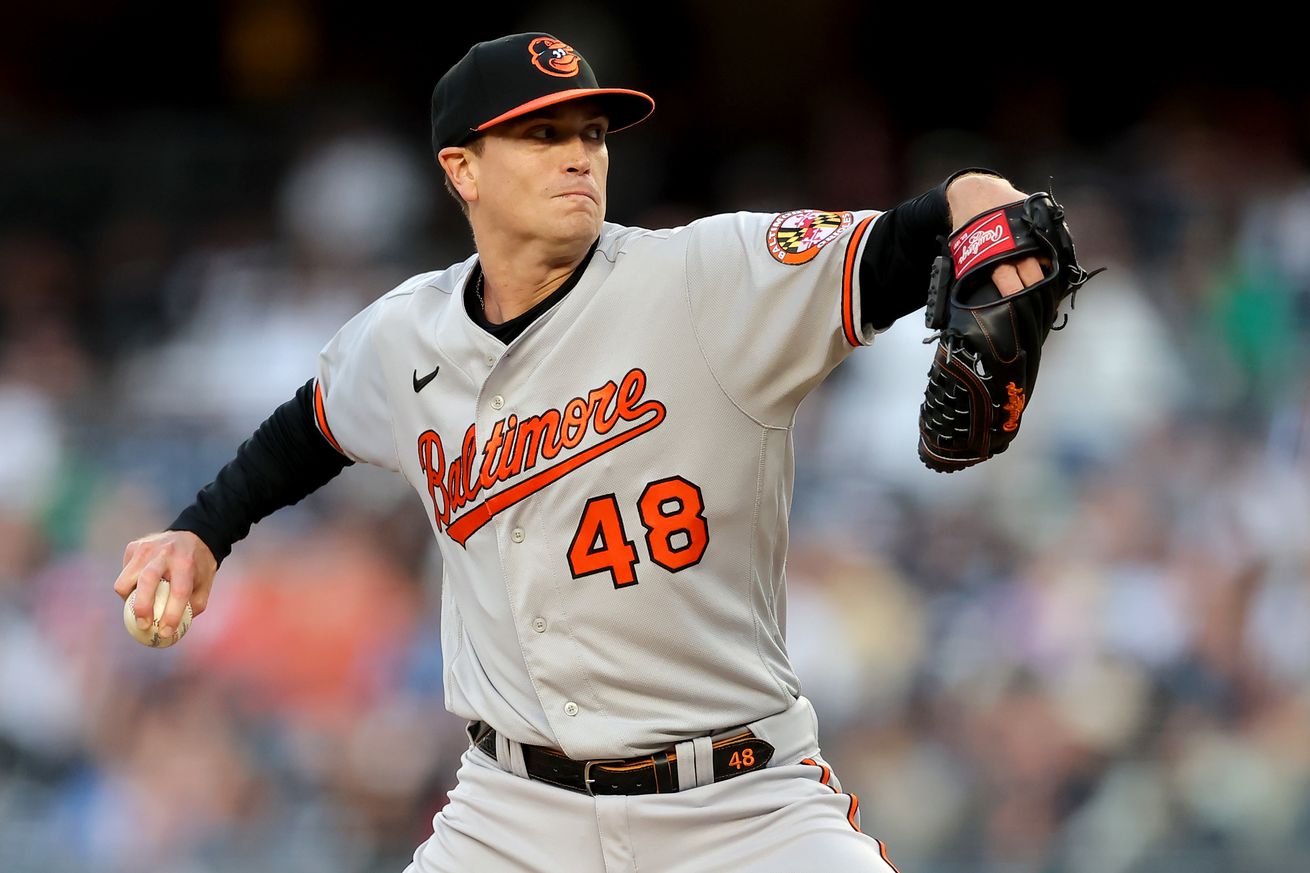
478,291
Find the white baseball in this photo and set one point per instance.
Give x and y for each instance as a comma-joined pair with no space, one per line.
150,636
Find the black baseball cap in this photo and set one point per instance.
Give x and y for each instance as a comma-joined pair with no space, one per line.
514,75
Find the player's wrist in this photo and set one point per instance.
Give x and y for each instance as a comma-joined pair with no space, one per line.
969,171
971,195
207,537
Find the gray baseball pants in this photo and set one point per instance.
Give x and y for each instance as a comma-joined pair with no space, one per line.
787,817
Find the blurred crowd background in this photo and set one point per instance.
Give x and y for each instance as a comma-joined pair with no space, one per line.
1091,654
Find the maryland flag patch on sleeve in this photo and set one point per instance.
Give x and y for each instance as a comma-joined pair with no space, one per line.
796,237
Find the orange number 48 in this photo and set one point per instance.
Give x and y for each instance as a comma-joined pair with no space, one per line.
673,513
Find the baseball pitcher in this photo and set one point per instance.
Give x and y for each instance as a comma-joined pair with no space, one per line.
597,421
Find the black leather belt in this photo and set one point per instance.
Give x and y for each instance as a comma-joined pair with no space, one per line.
648,774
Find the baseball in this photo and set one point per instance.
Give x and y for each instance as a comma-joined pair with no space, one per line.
150,636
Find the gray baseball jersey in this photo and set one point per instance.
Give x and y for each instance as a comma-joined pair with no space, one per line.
610,491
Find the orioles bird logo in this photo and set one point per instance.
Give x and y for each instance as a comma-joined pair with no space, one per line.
553,57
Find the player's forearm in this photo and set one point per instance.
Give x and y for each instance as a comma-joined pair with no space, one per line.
898,256
285,460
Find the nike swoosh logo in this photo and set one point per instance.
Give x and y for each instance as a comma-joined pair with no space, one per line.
420,384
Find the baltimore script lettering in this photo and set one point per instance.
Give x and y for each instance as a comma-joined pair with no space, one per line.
516,445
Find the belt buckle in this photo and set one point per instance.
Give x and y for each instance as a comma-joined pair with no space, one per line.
586,771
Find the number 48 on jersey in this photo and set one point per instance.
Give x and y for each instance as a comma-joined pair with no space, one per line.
673,513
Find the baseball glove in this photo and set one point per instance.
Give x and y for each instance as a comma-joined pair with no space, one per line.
989,346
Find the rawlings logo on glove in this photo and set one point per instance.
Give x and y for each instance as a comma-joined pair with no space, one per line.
972,241
988,345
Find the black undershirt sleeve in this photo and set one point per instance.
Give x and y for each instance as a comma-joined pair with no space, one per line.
897,259
285,460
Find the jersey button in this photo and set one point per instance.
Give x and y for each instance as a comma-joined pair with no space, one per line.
497,402
539,625
570,708
491,360
516,534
